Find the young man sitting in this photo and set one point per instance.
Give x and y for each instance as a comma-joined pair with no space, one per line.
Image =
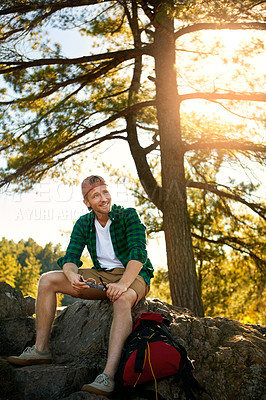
116,240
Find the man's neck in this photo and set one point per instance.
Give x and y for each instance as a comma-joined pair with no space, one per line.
102,218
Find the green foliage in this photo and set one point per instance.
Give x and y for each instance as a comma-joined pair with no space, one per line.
48,257
8,268
22,263
27,276
52,108
234,288
160,286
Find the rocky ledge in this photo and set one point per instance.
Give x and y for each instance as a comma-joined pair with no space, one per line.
228,356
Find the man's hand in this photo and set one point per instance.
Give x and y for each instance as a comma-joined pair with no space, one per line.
78,283
75,279
115,290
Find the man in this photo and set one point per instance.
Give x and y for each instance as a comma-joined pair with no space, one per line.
115,238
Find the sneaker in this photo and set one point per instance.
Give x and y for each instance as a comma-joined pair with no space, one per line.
103,384
31,356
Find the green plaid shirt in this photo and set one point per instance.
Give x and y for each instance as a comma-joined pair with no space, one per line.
127,235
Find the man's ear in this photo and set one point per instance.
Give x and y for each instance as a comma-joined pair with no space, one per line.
86,202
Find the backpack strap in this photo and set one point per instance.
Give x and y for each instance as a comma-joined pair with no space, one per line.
140,356
140,362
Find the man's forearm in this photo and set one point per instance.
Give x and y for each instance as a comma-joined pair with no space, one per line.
131,272
70,269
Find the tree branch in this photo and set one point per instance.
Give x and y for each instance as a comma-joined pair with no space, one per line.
241,246
225,96
213,188
217,26
138,153
122,55
43,5
226,144
58,148
86,78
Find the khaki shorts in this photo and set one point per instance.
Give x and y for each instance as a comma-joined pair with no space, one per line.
114,275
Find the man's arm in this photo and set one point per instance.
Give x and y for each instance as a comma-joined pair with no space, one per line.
76,245
131,272
71,272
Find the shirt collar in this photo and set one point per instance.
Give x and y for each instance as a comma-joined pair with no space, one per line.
115,212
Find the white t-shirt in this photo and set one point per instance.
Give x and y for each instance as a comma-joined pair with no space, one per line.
104,247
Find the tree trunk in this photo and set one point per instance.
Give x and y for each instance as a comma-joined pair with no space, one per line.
180,258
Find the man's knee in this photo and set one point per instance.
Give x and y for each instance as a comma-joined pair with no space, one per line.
50,280
125,301
44,280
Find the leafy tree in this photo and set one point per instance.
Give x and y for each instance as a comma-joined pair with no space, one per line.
160,286
22,263
135,88
19,266
8,267
28,275
8,261
232,289
48,257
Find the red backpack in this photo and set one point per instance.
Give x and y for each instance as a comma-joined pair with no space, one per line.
151,353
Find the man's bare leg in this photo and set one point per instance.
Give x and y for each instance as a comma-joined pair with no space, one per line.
120,329
50,284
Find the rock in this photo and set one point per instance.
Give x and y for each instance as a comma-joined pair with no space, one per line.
17,327
29,306
84,396
7,385
42,382
80,333
228,356
226,352
13,304
16,334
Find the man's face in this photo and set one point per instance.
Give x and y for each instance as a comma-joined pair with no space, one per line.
99,199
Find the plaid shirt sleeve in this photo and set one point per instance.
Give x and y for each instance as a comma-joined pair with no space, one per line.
136,237
76,245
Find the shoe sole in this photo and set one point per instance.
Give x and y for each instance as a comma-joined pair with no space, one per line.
91,389
18,361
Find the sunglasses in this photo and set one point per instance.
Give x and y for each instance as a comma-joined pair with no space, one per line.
92,283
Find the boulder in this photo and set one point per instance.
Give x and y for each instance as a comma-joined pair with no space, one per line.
81,331
50,381
17,326
16,334
225,352
228,356
13,304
